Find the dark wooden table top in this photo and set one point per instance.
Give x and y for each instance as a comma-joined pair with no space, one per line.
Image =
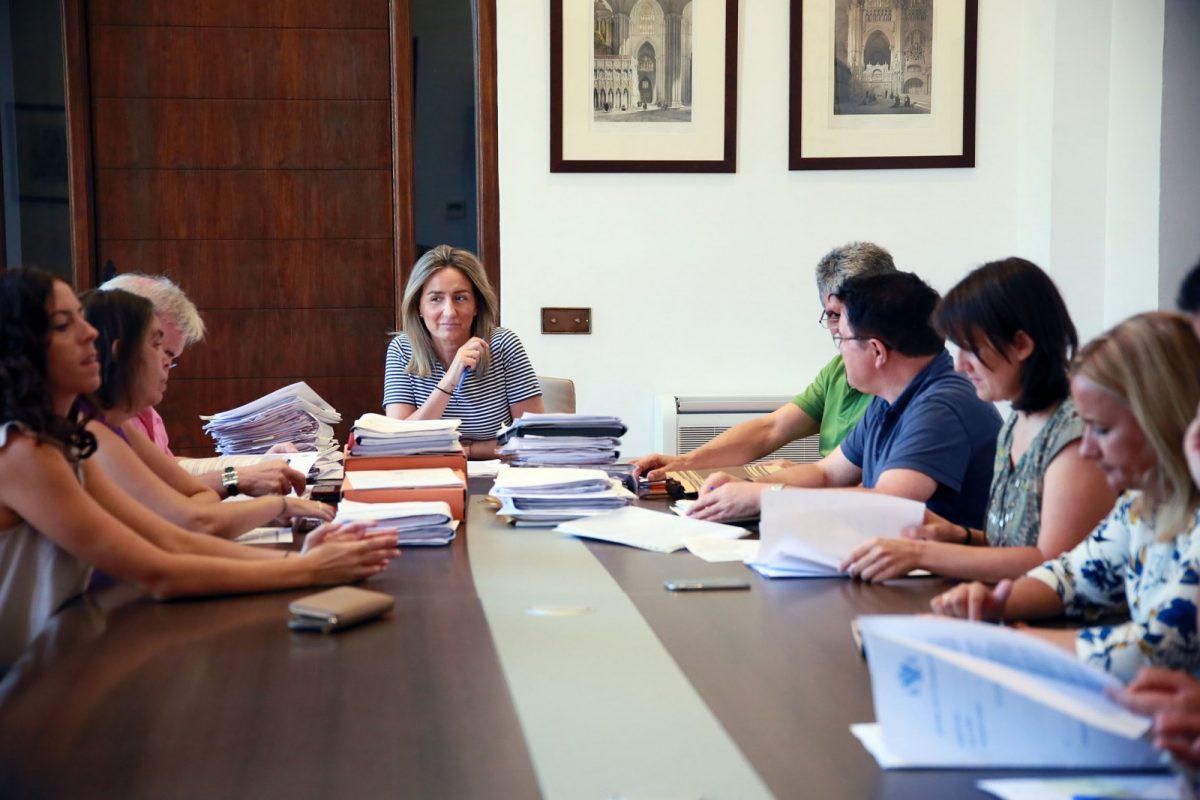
125,697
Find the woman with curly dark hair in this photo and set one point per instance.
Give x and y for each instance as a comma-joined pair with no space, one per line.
60,516
133,376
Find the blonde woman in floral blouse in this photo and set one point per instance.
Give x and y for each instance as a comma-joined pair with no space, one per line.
1015,342
1136,388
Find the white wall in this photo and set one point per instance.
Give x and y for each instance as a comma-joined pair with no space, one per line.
702,284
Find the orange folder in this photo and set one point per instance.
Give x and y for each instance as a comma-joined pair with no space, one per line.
455,461
454,496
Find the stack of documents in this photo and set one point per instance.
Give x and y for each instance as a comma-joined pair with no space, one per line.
293,414
546,496
377,435
807,533
416,523
957,694
552,439
649,530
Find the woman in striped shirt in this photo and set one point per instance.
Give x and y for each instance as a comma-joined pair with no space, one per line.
451,359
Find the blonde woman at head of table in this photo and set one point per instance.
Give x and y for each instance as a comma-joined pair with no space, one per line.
133,372
61,515
1015,341
452,359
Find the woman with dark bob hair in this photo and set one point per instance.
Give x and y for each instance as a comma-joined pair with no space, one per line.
60,515
1015,341
452,359
1136,388
133,377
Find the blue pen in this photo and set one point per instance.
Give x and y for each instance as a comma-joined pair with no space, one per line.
461,378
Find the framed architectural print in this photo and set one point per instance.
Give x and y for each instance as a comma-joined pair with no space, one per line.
643,85
882,84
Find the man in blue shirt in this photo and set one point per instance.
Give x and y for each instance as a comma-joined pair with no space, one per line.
925,436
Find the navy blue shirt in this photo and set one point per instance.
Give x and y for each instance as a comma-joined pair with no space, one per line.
937,427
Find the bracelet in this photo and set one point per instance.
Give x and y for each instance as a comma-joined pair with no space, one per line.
438,386
967,537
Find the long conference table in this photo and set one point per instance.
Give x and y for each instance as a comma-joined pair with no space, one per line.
517,664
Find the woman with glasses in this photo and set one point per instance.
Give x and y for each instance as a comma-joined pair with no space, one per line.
829,407
1015,341
133,372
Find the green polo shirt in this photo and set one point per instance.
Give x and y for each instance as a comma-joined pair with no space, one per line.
833,403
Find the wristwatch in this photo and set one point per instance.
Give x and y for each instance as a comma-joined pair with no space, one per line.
229,480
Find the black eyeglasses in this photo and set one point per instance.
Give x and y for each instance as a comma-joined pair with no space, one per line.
838,339
829,321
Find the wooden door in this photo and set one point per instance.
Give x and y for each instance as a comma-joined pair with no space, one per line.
251,151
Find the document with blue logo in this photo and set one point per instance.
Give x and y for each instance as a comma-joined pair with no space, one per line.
951,693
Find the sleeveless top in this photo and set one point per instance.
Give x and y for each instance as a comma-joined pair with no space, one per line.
1014,512
37,578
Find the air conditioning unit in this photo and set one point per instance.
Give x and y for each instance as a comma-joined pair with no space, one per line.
682,424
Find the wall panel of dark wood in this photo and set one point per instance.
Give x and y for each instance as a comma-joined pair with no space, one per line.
256,273
243,134
242,204
243,13
246,150
225,63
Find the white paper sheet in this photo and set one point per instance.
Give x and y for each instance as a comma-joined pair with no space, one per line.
1117,787
951,693
483,469
519,480
649,530
395,515
301,462
714,550
266,536
378,423
435,477
809,532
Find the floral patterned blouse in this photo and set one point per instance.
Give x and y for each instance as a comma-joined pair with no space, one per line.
1014,511
1122,567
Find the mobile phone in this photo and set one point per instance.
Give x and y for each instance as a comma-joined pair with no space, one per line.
327,492
705,584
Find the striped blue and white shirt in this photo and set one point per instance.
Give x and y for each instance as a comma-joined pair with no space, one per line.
483,403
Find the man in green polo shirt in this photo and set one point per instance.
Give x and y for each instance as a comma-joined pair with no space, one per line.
828,406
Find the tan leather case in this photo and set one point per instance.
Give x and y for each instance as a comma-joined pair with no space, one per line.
338,608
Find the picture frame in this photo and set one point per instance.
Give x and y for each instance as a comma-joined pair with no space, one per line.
643,85
882,84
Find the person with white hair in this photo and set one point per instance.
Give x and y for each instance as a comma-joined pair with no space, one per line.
183,327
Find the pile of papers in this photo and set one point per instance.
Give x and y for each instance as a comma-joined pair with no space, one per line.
807,533
293,414
377,435
416,523
547,496
552,439
951,693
